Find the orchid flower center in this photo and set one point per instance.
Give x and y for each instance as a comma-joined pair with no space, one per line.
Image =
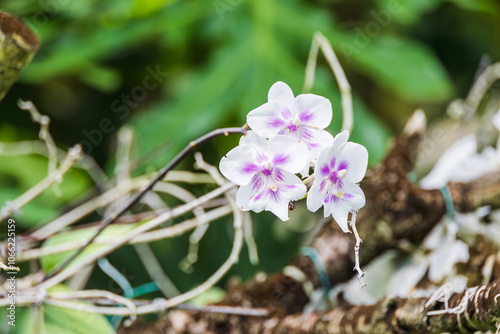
296,120
268,168
273,186
335,176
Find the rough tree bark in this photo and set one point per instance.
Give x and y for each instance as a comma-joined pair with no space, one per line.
481,311
18,46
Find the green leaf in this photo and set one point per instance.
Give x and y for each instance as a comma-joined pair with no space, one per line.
55,320
103,43
77,236
403,12
192,117
62,321
486,6
236,79
144,8
406,67
211,296
102,78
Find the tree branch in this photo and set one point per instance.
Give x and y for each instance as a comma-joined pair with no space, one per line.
18,46
478,308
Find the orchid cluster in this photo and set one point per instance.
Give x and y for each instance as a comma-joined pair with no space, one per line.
288,137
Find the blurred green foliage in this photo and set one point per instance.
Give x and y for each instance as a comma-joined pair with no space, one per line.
215,61
56,320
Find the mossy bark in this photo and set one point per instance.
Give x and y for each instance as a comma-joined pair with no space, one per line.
18,46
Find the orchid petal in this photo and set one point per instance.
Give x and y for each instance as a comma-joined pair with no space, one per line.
289,153
339,212
239,165
252,138
243,197
316,196
353,198
280,92
259,196
314,110
265,120
354,159
316,140
291,189
305,171
326,160
340,140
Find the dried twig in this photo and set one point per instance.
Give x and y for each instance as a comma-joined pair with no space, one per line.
159,234
44,133
118,242
8,268
73,155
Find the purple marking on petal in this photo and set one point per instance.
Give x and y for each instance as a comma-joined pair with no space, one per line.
346,195
292,128
333,176
276,123
328,199
261,158
322,185
325,170
343,165
273,195
256,182
332,162
281,159
250,168
286,113
287,187
306,116
266,171
278,175
259,196
306,134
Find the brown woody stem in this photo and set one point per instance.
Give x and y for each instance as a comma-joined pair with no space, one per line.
18,46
